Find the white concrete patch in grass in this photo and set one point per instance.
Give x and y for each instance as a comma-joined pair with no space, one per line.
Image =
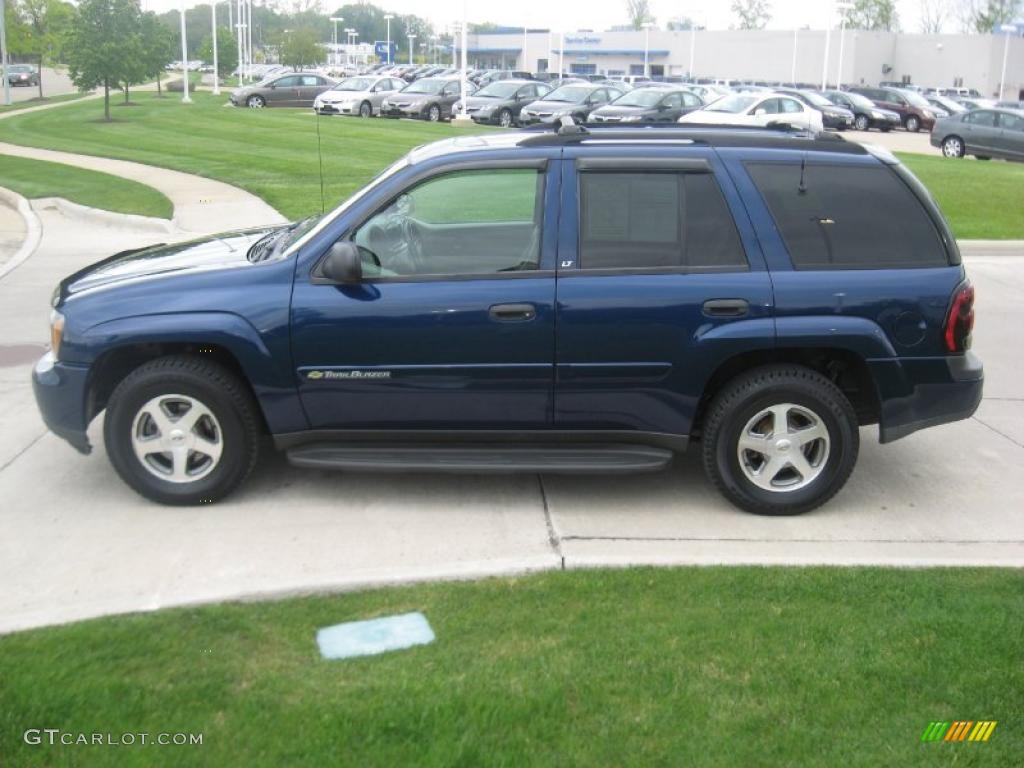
368,638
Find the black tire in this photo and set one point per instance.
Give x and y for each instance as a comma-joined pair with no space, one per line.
256,102
433,113
366,109
741,400
953,147
862,123
505,118
211,384
982,157
912,124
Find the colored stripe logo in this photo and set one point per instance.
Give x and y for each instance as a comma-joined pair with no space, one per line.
959,730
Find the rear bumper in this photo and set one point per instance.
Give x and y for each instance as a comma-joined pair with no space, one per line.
60,390
917,393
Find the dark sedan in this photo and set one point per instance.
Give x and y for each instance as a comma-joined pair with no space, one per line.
295,89
501,102
832,115
983,133
430,98
648,105
576,100
866,114
22,74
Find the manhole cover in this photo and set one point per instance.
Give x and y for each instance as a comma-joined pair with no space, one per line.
19,354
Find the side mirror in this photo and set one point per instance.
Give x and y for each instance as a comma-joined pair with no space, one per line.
343,263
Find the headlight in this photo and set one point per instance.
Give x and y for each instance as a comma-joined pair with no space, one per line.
385,104
457,106
56,332
928,114
877,115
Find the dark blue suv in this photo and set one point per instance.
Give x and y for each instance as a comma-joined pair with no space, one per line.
563,301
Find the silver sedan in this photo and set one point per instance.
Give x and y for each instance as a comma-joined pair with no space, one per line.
357,96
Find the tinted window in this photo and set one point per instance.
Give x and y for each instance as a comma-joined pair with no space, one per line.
790,105
673,101
848,217
287,82
691,100
310,80
650,220
1011,122
470,222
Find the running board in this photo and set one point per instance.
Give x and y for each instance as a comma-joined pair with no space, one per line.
569,458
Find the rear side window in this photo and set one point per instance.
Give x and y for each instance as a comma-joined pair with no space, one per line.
846,217
636,220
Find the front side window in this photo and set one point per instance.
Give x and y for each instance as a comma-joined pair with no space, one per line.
848,217
656,220
287,82
480,222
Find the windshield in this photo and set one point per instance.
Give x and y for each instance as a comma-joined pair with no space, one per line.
816,99
354,84
915,98
425,86
574,94
949,105
19,68
499,90
640,98
860,101
735,103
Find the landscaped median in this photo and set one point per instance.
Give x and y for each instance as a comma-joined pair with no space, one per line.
690,666
38,178
274,154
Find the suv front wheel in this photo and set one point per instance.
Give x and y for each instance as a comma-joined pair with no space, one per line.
182,430
780,440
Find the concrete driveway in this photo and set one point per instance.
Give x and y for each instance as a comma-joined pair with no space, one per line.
75,542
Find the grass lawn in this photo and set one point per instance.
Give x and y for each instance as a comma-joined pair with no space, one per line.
270,152
704,667
38,178
36,101
981,200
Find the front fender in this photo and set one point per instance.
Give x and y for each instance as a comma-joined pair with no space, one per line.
266,368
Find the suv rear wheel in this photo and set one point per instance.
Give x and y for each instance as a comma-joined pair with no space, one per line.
780,440
182,430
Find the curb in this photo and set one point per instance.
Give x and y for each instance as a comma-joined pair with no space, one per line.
991,247
33,230
141,224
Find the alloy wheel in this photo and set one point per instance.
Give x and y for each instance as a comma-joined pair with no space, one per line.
177,438
953,147
783,447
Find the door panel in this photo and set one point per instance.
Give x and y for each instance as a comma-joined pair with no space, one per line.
635,346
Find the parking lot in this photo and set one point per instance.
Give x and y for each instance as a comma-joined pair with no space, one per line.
79,543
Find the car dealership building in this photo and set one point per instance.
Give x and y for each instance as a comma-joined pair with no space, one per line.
854,56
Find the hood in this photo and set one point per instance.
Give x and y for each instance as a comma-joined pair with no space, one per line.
344,95
483,101
715,118
227,251
552,106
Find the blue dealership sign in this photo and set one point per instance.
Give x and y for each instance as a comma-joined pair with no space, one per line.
380,47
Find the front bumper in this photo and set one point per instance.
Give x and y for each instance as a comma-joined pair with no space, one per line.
535,119
917,393
837,122
60,390
338,109
413,111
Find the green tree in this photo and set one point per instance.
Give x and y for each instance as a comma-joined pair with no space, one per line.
104,46
752,14
227,51
874,15
639,12
36,29
986,16
300,48
157,48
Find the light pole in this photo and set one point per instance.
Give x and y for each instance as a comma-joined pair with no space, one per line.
411,38
842,7
561,54
3,54
647,47
213,33
792,69
463,71
334,21
828,38
387,18
248,37
239,28
184,59
1008,30
348,46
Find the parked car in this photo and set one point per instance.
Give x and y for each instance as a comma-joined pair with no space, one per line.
673,326
914,111
22,74
946,104
758,110
832,115
648,105
295,89
430,98
500,102
577,100
708,93
976,103
866,114
984,133
361,96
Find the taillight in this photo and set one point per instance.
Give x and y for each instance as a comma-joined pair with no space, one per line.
960,319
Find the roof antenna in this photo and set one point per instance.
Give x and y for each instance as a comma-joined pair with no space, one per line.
802,187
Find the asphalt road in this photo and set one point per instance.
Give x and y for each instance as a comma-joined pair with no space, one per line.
75,542
55,83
